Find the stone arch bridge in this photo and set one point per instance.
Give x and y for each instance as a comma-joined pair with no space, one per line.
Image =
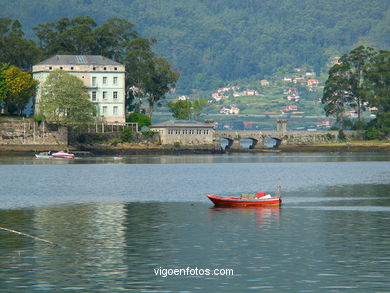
282,137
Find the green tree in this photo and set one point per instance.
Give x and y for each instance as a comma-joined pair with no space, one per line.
67,36
21,87
4,86
161,80
139,62
15,49
181,110
377,85
198,107
356,60
141,119
337,94
65,99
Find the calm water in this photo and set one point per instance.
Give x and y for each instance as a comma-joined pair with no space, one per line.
119,221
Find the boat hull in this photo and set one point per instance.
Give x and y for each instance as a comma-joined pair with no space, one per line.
243,202
63,155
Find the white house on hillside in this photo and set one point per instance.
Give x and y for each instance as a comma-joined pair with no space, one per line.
103,77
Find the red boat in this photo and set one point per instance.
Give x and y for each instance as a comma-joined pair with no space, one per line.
261,199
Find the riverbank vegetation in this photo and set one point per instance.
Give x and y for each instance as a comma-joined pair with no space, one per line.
360,80
149,77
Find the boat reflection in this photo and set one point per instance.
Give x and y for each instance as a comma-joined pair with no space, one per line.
265,216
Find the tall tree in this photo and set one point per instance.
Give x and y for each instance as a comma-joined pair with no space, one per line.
139,62
65,99
67,36
112,38
161,80
337,92
377,85
14,48
356,60
21,87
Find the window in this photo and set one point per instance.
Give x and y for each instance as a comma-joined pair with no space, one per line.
115,110
115,80
104,95
115,95
50,68
105,68
115,68
71,68
93,96
104,79
94,81
104,110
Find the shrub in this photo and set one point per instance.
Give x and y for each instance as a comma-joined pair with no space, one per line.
359,125
149,133
341,136
176,144
39,118
127,134
141,119
373,133
330,136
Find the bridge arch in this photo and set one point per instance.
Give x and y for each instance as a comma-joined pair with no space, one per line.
272,142
253,143
228,141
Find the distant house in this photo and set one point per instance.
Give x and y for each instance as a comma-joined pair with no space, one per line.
250,93
352,114
310,74
104,79
312,82
217,96
232,110
248,124
264,82
287,79
289,108
293,97
298,79
183,98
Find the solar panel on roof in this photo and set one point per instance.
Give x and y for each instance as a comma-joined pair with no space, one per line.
80,59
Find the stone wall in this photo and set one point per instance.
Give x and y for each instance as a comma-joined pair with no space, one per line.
25,131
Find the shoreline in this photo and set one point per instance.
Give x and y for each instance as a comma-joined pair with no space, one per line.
140,149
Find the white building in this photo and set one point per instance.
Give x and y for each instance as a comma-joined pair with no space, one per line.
103,77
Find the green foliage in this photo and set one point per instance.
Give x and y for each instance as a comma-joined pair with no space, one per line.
330,136
176,144
341,135
181,110
21,87
187,110
377,82
359,125
141,119
373,133
148,133
211,42
337,94
161,79
39,118
15,49
65,99
127,134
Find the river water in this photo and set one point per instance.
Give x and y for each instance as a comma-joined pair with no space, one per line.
119,222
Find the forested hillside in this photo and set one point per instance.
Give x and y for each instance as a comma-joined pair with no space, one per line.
212,42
